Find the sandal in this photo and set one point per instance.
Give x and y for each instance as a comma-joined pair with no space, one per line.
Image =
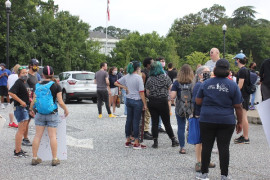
182,151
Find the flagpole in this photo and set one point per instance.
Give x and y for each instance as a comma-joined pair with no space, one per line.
107,27
106,35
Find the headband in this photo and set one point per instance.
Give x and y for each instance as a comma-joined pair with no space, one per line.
48,68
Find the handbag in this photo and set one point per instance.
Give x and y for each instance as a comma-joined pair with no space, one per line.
194,136
118,101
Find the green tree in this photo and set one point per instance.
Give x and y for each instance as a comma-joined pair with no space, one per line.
138,47
214,15
114,31
244,15
206,37
23,20
196,58
255,40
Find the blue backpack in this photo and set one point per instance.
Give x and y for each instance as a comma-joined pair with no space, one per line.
44,100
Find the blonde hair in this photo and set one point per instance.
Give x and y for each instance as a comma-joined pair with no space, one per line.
15,68
185,75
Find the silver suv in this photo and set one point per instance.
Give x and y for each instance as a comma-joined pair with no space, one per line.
78,85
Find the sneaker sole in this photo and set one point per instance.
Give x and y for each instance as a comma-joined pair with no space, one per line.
241,142
202,178
137,148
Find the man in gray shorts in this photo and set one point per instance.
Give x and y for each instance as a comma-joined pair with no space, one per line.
103,89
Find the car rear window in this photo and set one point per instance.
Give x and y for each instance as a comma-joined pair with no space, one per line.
83,76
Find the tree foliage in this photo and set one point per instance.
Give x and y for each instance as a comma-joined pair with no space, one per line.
138,47
114,31
57,38
201,31
244,15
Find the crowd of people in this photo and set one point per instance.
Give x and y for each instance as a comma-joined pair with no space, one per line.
212,95
30,98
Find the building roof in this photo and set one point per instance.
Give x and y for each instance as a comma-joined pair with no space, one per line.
100,35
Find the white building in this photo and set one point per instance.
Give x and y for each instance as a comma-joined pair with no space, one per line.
101,38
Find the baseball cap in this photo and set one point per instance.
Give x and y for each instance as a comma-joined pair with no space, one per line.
2,64
48,70
223,63
34,62
240,56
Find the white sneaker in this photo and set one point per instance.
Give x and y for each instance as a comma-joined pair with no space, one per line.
123,116
202,176
3,106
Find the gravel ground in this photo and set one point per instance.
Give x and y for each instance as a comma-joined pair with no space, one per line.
109,159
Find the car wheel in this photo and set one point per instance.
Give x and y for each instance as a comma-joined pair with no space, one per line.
65,97
94,100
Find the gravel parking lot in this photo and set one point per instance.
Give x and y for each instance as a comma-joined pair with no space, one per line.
107,158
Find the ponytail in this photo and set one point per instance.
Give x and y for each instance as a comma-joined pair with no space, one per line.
130,68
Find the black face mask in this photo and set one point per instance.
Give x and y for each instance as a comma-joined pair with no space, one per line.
206,76
254,67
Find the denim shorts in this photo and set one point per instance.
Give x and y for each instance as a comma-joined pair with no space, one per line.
21,114
50,120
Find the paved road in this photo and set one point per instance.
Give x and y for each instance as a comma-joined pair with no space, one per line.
107,158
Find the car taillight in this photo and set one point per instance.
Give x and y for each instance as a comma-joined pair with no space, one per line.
71,82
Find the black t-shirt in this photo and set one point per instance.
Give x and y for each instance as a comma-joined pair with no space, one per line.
19,88
243,74
172,74
55,88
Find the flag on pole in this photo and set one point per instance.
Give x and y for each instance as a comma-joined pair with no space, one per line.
108,9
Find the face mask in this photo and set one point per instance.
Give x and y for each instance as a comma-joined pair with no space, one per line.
114,72
24,78
235,63
206,76
254,67
163,64
35,68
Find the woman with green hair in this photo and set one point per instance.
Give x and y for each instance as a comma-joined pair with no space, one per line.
135,102
157,88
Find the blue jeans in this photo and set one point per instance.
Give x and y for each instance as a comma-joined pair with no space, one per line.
124,96
252,98
181,122
21,114
134,113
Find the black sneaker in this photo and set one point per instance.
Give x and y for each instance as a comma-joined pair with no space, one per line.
26,142
175,143
147,136
161,130
237,139
24,152
19,154
242,140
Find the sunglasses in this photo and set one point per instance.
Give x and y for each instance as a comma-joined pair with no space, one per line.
20,68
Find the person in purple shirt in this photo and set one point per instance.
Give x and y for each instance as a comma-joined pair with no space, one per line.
4,73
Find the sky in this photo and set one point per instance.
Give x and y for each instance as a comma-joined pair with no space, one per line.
147,16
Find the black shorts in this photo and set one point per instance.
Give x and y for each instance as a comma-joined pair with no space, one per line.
245,103
3,91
